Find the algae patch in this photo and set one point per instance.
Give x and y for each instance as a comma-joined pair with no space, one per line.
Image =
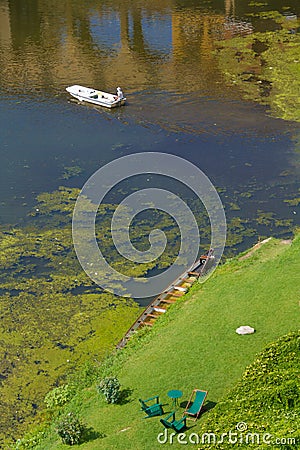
265,66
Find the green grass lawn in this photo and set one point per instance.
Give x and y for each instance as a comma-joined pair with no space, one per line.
194,345
265,403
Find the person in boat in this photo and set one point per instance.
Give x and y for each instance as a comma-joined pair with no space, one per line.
119,93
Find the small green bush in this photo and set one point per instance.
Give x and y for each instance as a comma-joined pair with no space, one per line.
30,440
59,396
70,429
110,387
87,376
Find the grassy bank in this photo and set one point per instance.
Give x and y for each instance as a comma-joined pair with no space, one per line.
264,405
195,345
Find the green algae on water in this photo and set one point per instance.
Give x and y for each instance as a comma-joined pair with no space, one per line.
71,171
266,66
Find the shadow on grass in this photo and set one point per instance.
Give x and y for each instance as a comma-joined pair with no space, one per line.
125,396
183,404
208,406
167,410
91,435
190,425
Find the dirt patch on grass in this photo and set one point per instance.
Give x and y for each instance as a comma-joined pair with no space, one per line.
286,241
254,248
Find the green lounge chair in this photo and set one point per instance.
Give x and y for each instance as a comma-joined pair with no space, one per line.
176,425
195,404
154,409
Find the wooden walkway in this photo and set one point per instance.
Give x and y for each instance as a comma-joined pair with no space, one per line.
161,303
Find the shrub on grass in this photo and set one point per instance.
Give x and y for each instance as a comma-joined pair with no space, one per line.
58,396
110,387
87,375
70,429
31,439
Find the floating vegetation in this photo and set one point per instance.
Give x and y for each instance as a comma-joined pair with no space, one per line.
293,202
265,218
246,194
118,146
266,66
71,171
272,224
61,201
285,173
275,15
257,4
234,206
237,230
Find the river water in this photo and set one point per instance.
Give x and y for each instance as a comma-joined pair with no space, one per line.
161,54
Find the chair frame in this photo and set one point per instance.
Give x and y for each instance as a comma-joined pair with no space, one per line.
195,416
174,423
147,408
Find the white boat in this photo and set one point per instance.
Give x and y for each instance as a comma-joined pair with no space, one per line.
84,94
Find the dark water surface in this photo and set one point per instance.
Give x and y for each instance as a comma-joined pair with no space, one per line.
161,53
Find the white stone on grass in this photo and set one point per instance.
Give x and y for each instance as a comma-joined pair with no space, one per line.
245,329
